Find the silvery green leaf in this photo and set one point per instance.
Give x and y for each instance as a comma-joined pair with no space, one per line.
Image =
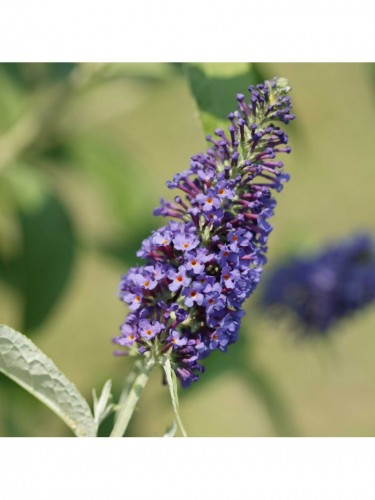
24,363
102,407
172,384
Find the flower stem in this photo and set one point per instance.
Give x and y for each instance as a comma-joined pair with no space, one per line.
127,408
172,384
128,383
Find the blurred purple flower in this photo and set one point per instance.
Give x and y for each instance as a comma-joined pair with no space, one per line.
321,289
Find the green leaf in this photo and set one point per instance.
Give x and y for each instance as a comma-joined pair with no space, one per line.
214,87
41,266
172,384
24,363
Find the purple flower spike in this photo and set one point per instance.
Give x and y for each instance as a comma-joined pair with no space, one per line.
187,299
319,290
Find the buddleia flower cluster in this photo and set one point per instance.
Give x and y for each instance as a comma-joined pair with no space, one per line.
321,289
186,300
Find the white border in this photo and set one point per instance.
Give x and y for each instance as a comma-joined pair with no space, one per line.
194,30
307,469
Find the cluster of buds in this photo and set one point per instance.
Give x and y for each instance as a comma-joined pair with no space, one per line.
187,299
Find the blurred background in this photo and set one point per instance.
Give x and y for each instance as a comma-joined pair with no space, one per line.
85,150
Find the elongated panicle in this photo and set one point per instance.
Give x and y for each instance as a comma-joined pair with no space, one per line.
187,299
319,290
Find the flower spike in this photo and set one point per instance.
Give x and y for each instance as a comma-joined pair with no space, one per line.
319,290
187,300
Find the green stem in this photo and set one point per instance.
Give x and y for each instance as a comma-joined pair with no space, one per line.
126,410
128,383
172,384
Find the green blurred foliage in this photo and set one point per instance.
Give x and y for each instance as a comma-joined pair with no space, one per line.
115,175
85,150
41,265
215,86
33,103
